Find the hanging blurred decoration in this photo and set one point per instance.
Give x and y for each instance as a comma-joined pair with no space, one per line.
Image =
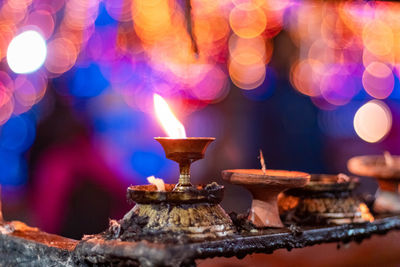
116,54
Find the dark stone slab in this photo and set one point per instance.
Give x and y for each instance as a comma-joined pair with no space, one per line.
31,247
99,251
27,246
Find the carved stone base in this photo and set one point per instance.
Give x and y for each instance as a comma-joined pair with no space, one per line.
197,221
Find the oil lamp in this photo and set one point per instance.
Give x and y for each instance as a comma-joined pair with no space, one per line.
327,198
181,209
178,147
386,169
265,186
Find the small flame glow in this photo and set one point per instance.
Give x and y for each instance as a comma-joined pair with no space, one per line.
158,182
365,214
171,125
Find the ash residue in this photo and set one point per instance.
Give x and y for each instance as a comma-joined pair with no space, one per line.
132,228
295,230
205,189
241,223
212,186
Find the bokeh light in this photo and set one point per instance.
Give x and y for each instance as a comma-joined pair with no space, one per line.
378,80
43,20
373,121
247,23
62,55
304,79
378,37
115,54
26,52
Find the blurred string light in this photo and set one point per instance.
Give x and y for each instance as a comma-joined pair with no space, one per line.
26,52
348,51
250,47
120,52
345,48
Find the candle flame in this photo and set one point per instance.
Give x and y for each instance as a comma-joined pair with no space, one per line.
171,125
158,182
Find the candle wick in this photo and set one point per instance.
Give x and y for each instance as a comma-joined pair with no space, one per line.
263,167
388,159
159,183
343,178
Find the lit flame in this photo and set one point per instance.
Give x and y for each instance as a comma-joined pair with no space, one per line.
158,182
365,214
171,125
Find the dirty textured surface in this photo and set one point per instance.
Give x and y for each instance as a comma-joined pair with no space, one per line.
31,247
99,251
27,246
166,223
172,216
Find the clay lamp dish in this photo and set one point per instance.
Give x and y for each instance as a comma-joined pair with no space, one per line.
148,194
265,188
386,169
327,198
377,166
326,184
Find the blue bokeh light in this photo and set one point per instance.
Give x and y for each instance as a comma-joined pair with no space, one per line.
17,134
88,82
13,169
147,163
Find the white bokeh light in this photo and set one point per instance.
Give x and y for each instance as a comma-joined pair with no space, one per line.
26,52
373,121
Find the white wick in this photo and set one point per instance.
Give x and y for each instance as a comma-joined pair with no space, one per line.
343,178
263,167
158,182
389,161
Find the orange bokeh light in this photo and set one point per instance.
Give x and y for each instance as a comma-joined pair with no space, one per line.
378,37
61,55
247,23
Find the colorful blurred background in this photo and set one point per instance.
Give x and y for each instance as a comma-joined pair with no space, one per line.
309,83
